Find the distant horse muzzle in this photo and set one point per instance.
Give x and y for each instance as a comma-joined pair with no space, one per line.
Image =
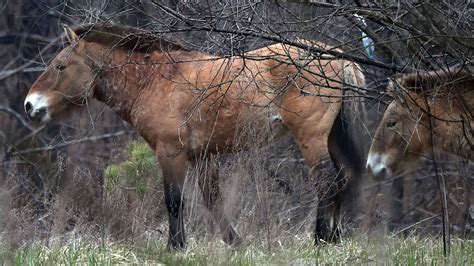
376,166
377,175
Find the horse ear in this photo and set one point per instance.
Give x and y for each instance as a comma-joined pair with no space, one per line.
395,90
71,36
392,89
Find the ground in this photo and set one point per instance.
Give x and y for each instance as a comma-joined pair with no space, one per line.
297,250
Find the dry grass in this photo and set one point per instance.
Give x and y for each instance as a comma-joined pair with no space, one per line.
297,249
270,199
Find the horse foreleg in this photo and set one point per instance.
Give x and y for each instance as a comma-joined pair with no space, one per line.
209,184
174,172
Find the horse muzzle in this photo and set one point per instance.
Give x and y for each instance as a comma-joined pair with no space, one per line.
377,167
40,115
36,109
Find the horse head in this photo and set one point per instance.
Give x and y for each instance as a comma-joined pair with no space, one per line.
66,83
402,136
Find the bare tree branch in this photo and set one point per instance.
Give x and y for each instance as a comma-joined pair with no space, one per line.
8,73
72,142
317,51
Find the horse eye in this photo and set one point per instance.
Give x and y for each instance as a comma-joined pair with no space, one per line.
60,67
391,124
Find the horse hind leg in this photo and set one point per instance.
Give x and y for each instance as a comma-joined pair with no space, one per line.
317,156
329,182
327,229
209,183
344,183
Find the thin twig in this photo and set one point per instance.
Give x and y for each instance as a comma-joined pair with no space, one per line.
318,51
8,73
72,142
442,191
415,224
22,122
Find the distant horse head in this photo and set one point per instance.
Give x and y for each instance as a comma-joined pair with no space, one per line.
405,133
66,83
399,139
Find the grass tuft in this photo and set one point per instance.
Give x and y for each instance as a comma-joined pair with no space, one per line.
297,250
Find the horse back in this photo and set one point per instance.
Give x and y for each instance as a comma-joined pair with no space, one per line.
210,99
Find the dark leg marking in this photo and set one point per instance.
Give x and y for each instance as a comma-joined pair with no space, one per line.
175,205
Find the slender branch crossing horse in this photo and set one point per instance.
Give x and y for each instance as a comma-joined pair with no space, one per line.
432,111
186,104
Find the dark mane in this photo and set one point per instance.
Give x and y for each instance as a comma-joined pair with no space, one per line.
125,37
459,80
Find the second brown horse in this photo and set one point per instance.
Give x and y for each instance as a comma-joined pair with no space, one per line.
189,105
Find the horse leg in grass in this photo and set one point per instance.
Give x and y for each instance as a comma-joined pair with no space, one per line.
327,223
348,162
330,181
174,171
209,184
327,178
311,128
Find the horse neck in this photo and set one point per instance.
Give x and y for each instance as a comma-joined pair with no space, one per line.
452,126
122,80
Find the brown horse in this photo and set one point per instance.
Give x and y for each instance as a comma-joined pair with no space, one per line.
433,112
188,105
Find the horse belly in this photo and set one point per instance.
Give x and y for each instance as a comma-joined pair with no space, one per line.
253,126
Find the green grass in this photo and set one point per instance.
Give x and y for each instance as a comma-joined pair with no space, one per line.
298,250
135,173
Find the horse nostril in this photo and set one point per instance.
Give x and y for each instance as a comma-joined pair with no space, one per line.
369,169
383,172
28,107
41,112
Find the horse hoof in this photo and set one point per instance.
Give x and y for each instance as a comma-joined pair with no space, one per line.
177,246
233,240
320,241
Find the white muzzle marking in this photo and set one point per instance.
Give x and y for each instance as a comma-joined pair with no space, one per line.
36,107
377,163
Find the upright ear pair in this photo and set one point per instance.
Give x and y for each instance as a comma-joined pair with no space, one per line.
71,36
